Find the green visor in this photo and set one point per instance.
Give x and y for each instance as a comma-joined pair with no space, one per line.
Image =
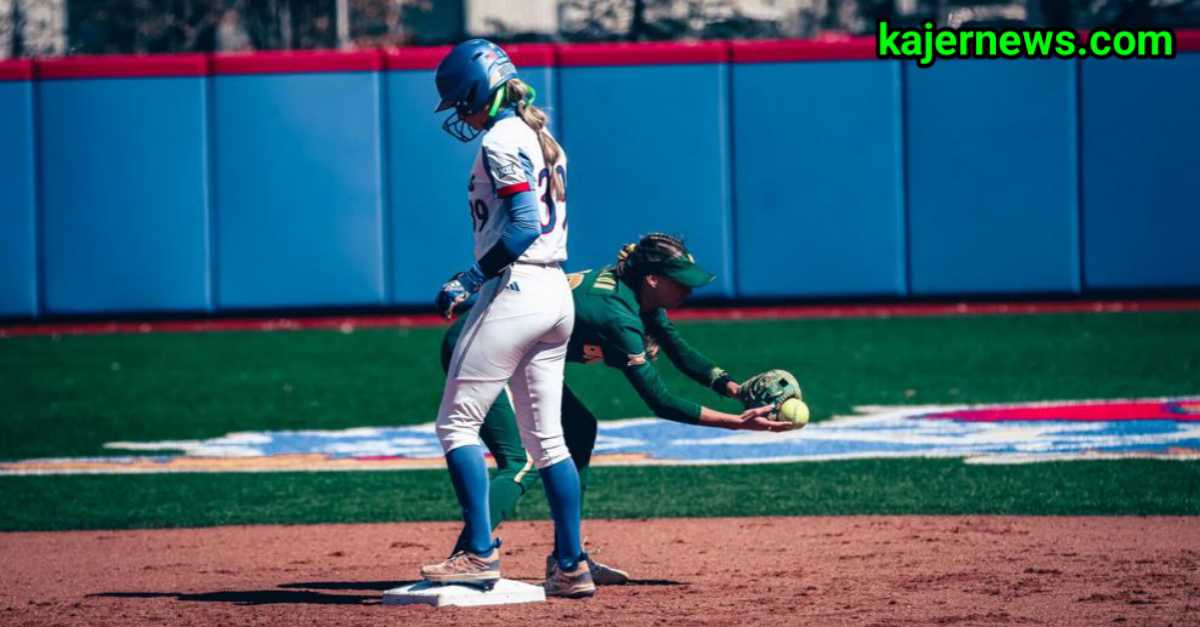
683,269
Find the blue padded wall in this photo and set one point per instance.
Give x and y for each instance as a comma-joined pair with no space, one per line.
298,197
1141,173
427,184
18,222
795,179
124,195
651,155
992,186
817,183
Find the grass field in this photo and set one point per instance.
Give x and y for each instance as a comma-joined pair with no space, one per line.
926,486
68,395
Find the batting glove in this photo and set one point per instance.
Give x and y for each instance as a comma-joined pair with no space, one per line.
458,294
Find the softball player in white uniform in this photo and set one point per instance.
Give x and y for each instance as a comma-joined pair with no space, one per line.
516,333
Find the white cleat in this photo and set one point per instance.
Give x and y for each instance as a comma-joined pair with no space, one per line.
574,584
602,574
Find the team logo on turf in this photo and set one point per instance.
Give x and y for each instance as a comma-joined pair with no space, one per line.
1191,408
979,434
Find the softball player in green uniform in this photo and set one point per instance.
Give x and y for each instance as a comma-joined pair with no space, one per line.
620,321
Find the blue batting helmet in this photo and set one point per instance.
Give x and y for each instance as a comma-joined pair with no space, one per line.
466,81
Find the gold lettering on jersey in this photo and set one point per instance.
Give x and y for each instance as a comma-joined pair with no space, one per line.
606,281
592,354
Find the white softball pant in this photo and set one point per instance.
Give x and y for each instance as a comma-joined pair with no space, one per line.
516,334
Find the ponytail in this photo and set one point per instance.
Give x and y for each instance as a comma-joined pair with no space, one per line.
623,256
655,248
520,94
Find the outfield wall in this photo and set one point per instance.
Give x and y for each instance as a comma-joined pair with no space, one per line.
795,169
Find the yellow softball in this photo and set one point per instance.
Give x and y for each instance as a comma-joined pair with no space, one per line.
795,411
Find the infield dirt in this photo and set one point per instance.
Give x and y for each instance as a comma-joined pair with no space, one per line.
874,570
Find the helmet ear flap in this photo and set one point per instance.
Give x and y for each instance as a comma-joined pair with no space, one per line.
464,106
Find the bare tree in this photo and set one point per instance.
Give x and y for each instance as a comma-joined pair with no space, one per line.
641,20
33,27
8,29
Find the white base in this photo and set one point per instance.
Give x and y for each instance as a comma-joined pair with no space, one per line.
506,592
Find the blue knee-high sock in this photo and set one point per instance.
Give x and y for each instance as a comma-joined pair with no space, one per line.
469,475
562,490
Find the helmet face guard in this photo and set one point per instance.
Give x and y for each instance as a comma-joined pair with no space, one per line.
457,127
467,79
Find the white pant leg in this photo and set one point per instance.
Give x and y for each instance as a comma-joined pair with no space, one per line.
501,332
537,400
537,388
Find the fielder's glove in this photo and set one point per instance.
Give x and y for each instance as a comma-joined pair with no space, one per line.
772,387
458,294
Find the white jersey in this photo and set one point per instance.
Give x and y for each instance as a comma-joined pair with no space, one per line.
510,161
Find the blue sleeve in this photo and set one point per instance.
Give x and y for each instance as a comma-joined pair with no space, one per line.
523,228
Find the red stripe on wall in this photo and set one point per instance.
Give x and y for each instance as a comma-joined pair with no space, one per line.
20,70
414,58
831,49
298,61
427,58
932,309
202,326
532,55
348,324
1188,40
123,66
654,53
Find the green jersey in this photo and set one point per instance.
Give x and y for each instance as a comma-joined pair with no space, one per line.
611,328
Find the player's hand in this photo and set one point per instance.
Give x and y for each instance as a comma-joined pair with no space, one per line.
452,295
761,419
732,389
458,294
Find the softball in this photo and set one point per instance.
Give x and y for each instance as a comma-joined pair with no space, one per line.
794,411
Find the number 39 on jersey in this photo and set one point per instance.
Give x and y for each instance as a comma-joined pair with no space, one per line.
509,162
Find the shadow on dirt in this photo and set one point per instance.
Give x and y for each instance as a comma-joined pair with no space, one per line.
347,585
303,593
253,597
388,585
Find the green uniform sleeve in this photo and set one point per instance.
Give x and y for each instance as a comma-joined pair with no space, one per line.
625,349
691,362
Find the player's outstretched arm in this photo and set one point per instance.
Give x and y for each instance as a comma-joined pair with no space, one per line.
650,386
690,361
755,419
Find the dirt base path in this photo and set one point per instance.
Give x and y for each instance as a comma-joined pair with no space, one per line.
749,571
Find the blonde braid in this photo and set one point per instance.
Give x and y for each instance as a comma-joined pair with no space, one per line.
623,257
536,119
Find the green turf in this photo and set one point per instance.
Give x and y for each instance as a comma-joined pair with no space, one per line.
1127,487
69,395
